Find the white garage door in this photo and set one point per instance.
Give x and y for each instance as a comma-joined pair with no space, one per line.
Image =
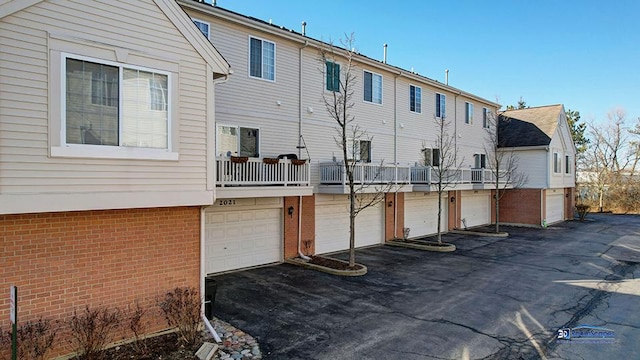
555,207
421,214
332,224
239,237
476,208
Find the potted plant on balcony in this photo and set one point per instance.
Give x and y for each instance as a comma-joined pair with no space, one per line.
271,161
239,159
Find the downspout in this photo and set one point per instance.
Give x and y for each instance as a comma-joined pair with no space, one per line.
395,145
211,135
306,43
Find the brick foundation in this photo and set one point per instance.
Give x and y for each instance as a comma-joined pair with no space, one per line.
64,261
569,203
291,225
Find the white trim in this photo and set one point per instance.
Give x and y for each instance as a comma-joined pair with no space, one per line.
237,127
208,35
468,113
50,202
381,88
103,151
417,87
261,70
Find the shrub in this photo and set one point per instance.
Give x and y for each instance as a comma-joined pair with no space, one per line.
138,324
583,210
91,330
36,338
181,309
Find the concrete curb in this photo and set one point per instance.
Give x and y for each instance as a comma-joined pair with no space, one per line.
423,245
479,233
305,264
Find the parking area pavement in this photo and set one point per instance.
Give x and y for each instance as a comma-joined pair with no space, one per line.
493,298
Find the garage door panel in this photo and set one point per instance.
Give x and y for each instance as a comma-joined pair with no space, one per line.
242,238
332,224
421,216
475,209
554,208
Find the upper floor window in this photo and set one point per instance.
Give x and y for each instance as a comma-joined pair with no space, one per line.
203,26
107,103
359,150
372,87
485,118
431,157
415,99
468,113
333,76
556,162
238,141
262,59
567,165
480,161
441,102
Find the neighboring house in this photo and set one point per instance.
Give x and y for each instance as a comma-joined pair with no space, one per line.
541,140
273,105
106,112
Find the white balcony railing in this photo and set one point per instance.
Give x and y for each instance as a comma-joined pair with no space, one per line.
365,173
333,173
255,172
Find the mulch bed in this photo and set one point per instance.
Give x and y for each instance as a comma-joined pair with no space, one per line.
163,347
333,264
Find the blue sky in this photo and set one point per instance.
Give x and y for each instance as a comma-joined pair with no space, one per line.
582,53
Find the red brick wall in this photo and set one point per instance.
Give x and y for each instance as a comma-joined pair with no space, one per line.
291,225
392,213
63,261
521,206
454,209
570,203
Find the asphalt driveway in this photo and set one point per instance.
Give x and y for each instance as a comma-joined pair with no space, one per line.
494,298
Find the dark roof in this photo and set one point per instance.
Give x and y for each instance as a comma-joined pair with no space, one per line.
528,127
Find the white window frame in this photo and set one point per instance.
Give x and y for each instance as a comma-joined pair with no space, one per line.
208,34
353,150
468,113
485,118
373,98
478,160
557,166
107,151
275,56
418,99
237,127
429,152
441,112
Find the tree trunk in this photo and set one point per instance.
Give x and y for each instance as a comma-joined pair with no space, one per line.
439,214
352,226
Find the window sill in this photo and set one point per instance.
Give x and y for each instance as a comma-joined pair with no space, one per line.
113,152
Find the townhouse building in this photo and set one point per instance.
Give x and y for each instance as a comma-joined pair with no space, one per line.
147,145
273,106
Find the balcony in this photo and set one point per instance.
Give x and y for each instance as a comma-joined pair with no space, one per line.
257,178
402,178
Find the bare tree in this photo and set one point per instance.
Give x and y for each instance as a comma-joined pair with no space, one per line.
502,161
611,156
445,165
338,64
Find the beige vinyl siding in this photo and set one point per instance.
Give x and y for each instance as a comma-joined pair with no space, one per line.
533,164
141,28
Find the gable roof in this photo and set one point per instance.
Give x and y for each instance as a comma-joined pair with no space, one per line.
172,11
528,127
